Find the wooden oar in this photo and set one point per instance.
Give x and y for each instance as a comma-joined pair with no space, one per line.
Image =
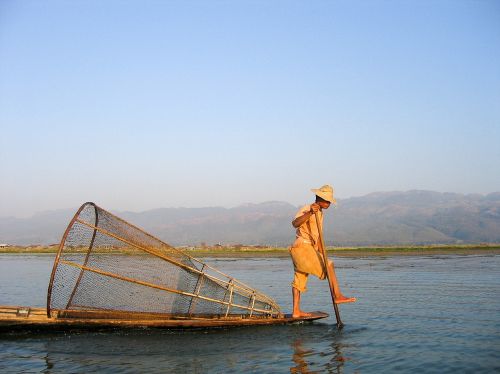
329,274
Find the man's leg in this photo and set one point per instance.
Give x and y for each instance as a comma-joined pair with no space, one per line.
339,297
296,302
298,286
296,305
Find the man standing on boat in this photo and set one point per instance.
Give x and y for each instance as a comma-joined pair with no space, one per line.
305,251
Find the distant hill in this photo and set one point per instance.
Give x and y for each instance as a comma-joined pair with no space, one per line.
383,218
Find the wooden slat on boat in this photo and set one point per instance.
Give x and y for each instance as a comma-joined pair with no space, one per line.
27,318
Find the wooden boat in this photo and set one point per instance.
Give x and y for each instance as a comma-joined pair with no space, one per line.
109,273
17,318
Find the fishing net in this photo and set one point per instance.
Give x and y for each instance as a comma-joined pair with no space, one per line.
107,265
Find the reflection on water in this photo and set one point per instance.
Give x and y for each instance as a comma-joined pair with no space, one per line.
304,356
299,357
307,348
414,314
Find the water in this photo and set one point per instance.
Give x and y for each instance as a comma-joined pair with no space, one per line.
436,314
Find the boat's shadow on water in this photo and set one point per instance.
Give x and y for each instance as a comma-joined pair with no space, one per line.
303,348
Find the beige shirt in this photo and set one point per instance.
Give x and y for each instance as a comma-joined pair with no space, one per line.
309,230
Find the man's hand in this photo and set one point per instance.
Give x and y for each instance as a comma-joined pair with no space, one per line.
297,222
314,208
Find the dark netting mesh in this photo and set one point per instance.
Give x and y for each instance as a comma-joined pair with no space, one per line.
105,264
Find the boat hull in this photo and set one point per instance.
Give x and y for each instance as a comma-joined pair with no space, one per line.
15,318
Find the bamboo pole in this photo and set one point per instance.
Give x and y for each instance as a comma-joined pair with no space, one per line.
91,245
230,302
253,304
197,289
329,274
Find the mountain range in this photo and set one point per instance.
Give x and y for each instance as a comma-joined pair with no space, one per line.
382,218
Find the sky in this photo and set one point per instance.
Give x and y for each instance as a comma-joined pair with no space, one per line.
137,105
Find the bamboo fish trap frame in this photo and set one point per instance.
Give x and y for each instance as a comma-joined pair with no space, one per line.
108,268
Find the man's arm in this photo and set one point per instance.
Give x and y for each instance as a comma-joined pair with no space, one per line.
299,221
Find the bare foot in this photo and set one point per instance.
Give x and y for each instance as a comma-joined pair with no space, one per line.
343,299
301,314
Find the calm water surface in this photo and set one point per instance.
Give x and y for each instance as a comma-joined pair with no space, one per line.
436,314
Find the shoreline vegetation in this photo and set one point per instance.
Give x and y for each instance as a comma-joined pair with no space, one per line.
265,251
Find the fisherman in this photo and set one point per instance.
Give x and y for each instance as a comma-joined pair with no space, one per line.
305,251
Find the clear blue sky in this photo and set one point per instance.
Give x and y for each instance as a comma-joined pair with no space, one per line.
145,104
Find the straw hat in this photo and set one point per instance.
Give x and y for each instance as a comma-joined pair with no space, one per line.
325,192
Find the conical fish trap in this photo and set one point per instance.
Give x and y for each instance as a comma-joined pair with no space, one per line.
106,265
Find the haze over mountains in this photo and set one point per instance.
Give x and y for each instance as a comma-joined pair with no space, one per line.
384,218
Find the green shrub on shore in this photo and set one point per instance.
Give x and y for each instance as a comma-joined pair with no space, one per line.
262,251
